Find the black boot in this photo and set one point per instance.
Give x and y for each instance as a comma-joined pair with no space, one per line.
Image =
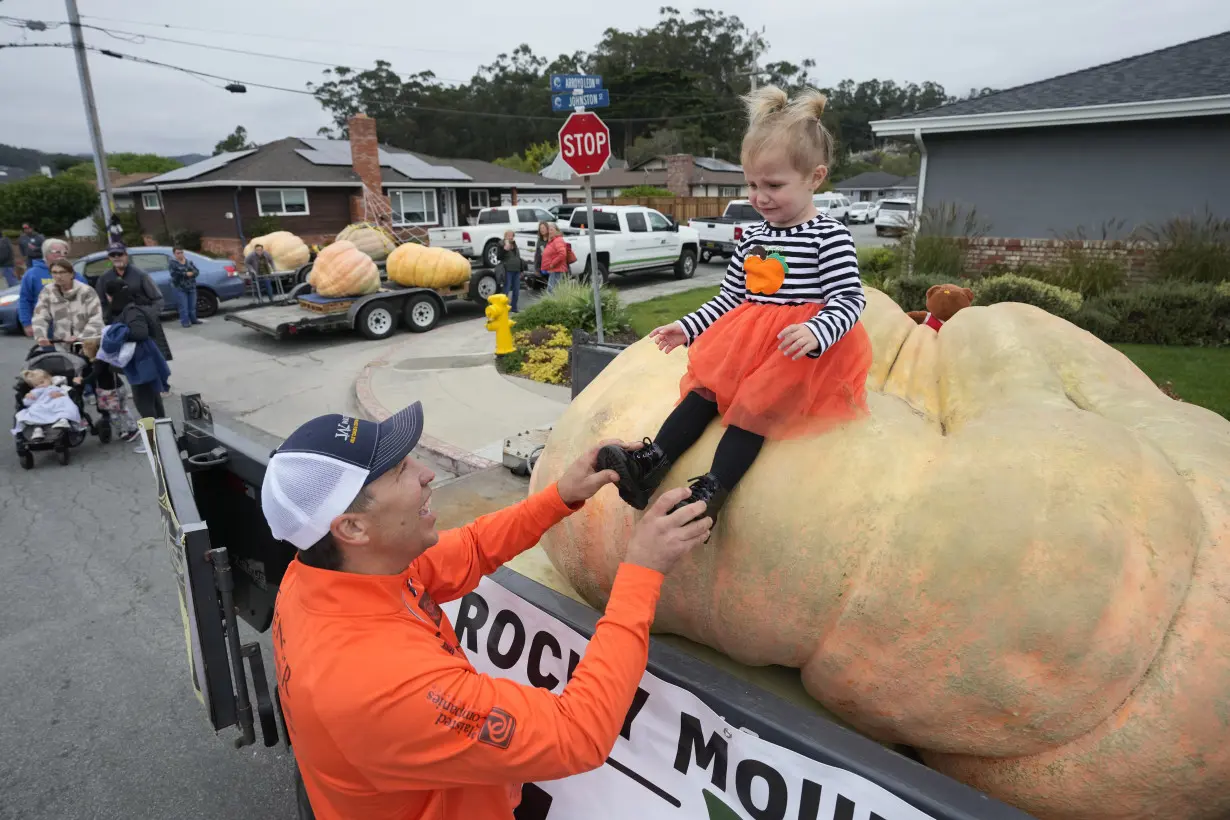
640,471
708,489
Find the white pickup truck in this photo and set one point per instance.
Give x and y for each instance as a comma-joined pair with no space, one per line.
627,238
720,235
482,241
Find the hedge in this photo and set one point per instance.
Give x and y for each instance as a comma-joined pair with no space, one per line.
1194,314
572,306
1012,288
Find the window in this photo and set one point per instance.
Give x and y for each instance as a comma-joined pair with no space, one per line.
97,267
603,220
543,216
495,218
152,262
150,202
529,215
636,223
743,212
657,222
479,199
414,207
282,201
727,190
895,206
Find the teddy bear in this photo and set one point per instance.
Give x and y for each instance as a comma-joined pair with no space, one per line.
943,302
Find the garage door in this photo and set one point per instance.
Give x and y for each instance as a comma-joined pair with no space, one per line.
543,200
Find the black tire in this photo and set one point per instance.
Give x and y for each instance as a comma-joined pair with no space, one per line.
685,266
705,256
483,284
301,275
421,313
377,320
604,275
491,253
302,805
878,231
27,460
206,303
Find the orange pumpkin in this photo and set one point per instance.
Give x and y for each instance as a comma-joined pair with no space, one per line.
1019,563
341,269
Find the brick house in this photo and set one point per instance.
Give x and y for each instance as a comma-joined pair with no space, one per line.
684,175
1121,146
315,187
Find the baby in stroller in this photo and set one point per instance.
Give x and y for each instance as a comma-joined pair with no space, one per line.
46,404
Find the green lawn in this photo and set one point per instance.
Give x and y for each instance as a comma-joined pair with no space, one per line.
1200,375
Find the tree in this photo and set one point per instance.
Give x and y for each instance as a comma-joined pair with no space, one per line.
52,205
237,141
537,156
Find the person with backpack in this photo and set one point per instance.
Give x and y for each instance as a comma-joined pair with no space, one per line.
147,371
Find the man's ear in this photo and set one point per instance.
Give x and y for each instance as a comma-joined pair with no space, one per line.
350,529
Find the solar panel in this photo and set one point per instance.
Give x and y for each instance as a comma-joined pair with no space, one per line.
713,164
337,152
197,168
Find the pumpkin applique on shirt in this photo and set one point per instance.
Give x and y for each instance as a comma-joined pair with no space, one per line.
765,272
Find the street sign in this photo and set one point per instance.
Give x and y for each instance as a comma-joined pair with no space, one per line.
593,99
575,82
585,143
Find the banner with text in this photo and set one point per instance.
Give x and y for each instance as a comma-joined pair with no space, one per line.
675,759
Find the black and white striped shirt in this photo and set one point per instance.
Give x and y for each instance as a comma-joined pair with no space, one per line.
822,267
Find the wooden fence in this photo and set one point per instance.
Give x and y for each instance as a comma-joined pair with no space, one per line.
680,208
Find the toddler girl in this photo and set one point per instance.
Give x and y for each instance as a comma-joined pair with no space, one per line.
779,352
46,404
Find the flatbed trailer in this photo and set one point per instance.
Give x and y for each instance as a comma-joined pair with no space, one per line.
228,568
375,315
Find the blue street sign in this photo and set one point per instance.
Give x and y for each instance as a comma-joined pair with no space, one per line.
575,82
567,102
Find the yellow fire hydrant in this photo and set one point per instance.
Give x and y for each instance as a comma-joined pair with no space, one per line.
499,321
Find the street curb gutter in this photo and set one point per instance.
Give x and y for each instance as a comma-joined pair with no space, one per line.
456,459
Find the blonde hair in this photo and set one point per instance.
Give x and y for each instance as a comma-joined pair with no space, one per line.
31,376
776,121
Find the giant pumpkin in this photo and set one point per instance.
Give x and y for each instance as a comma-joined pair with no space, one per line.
341,269
373,240
289,252
1018,563
422,266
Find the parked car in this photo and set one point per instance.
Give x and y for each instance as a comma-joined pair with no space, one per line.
8,309
834,205
720,235
895,216
482,241
861,212
627,239
219,281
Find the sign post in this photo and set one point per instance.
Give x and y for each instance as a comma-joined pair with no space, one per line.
585,146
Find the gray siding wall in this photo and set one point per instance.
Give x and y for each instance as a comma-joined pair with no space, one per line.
1041,183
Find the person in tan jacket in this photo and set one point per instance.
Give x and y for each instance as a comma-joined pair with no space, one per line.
67,310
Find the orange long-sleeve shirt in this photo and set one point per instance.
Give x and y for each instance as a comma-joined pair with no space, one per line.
388,719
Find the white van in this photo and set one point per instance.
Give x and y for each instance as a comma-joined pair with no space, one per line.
834,205
895,216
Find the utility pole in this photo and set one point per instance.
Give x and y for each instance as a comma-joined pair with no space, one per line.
91,113
755,72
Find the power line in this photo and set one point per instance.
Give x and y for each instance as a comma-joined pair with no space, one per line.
391,103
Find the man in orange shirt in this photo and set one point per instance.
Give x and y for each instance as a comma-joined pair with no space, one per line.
386,716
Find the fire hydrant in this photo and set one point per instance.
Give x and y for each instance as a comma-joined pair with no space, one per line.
499,321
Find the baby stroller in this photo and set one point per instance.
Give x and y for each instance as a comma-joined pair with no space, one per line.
60,439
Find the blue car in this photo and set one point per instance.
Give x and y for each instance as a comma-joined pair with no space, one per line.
218,281
8,309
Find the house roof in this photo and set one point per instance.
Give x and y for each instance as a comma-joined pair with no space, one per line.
9,173
310,163
870,181
1188,79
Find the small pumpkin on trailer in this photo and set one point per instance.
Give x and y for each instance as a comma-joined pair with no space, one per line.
341,269
1017,565
372,239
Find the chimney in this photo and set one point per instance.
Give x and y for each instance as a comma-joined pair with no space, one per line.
679,174
365,159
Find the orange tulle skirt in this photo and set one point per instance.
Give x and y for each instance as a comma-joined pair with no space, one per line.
758,388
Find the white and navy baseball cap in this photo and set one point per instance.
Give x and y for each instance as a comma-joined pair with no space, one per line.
321,468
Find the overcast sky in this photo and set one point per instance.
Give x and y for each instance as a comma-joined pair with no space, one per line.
958,43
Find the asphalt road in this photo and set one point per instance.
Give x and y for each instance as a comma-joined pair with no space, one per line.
100,721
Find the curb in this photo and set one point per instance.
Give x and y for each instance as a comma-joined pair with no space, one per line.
456,459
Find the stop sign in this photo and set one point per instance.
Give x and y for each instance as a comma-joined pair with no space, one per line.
585,143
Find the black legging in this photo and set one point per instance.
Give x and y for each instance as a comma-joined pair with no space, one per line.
687,422
148,400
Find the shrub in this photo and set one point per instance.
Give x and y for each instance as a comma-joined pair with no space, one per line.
939,244
1012,288
874,264
646,190
1196,314
910,292
1089,274
1192,250
572,305
188,240
542,354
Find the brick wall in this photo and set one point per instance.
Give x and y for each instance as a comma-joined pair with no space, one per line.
985,252
365,159
679,174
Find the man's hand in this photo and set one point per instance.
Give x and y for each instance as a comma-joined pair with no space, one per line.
43,342
29,329
580,481
659,540
668,337
797,341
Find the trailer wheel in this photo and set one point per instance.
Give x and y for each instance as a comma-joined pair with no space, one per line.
482,285
421,313
377,321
